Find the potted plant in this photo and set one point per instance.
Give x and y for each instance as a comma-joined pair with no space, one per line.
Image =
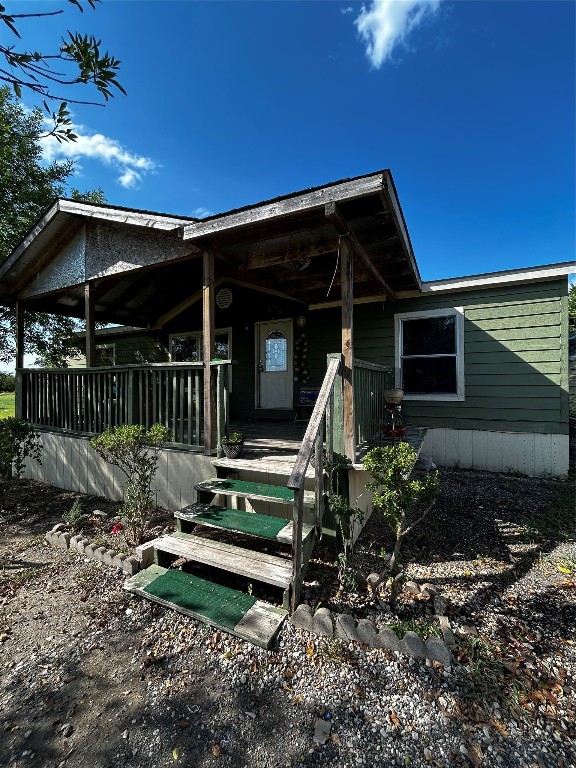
232,445
393,396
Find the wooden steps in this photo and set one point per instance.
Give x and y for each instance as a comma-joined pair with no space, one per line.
238,521
246,489
232,611
272,466
235,547
256,566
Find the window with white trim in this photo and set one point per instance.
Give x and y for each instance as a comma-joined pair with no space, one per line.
187,347
430,354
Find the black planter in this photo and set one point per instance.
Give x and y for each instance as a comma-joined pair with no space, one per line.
232,450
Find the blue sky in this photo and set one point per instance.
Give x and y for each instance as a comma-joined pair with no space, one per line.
470,104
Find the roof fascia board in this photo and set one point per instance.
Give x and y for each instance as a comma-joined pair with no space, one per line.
31,235
391,200
508,277
470,283
122,215
316,198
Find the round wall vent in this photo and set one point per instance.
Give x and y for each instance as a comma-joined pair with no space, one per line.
224,298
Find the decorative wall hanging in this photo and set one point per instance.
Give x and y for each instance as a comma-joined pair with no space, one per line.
301,374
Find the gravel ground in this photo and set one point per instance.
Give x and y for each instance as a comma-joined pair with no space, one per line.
94,676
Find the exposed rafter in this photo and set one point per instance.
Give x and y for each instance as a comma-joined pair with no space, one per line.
341,226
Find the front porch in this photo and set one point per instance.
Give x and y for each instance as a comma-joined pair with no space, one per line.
272,289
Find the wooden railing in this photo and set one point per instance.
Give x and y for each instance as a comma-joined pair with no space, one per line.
313,442
87,400
370,381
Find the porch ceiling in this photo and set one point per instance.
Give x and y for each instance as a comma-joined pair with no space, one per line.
288,245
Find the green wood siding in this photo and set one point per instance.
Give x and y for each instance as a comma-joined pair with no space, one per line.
515,351
515,343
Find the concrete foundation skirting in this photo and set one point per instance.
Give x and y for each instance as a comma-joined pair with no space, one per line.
535,455
70,463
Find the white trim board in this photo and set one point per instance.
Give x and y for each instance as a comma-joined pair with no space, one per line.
529,453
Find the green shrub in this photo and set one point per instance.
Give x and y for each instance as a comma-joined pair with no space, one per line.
7,382
135,452
18,441
75,517
402,498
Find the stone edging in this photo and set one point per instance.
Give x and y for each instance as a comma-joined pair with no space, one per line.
345,627
62,539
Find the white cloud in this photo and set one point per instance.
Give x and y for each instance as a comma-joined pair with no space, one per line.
131,168
201,212
385,23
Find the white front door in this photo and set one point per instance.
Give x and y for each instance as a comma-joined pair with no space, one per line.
274,386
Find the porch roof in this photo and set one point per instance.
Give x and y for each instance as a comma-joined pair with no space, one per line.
142,265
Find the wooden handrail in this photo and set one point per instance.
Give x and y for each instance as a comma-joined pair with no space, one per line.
127,367
313,441
296,480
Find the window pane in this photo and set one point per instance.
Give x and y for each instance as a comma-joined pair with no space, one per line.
105,356
185,349
276,352
429,336
222,347
429,375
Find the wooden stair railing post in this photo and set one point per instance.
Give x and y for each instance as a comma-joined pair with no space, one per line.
220,409
319,480
297,520
313,441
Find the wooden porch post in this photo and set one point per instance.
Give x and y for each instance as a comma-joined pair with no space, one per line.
19,335
19,358
208,319
89,317
347,281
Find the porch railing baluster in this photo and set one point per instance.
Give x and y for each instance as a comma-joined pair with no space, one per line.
87,400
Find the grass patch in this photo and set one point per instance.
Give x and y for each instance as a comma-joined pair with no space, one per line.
423,627
7,404
483,679
556,520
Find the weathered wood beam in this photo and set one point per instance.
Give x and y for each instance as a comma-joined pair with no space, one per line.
19,335
262,288
292,204
347,278
289,254
208,330
342,227
391,203
90,325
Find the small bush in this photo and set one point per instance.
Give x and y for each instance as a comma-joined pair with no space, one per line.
7,382
134,451
75,517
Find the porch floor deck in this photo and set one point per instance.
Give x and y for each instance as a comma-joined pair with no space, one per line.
269,446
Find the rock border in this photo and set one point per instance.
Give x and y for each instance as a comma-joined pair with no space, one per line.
345,627
61,538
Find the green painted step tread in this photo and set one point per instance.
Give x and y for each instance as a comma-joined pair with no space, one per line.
242,615
251,490
240,521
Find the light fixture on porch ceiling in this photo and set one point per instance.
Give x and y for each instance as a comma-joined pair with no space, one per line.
298,265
